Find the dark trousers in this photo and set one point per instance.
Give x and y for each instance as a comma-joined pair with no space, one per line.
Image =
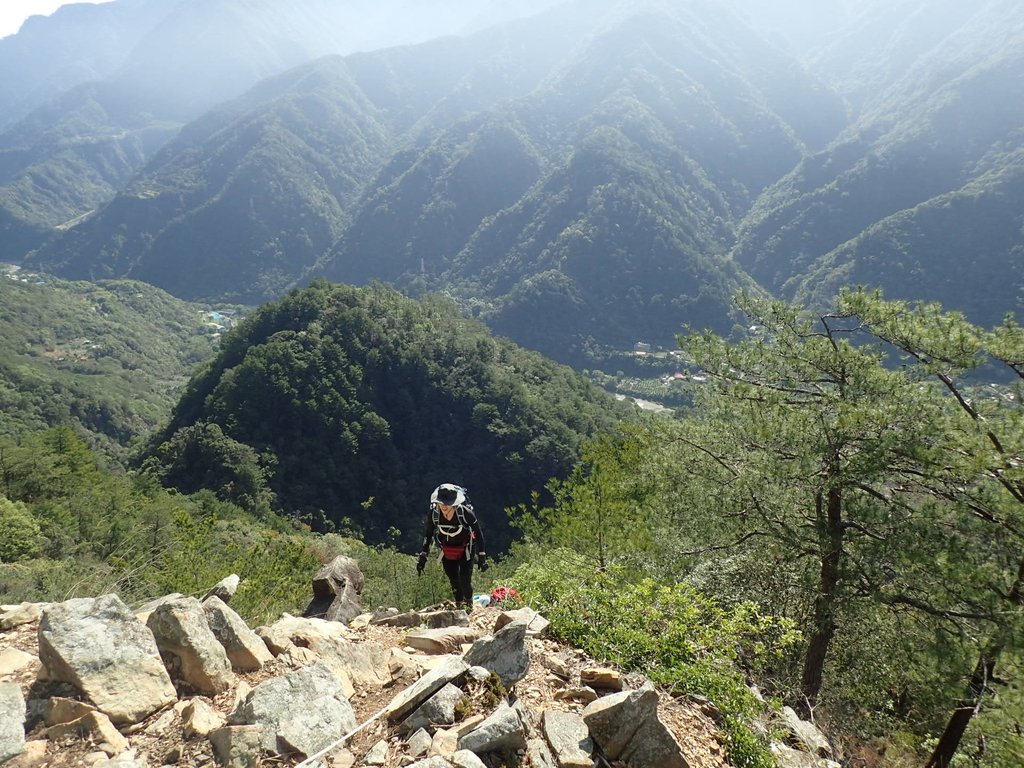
460,576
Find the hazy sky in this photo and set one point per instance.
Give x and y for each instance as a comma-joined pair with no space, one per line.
14,12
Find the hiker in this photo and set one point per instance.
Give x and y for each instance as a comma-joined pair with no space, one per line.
453,523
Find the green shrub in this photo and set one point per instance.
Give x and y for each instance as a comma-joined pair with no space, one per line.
20,538
673,634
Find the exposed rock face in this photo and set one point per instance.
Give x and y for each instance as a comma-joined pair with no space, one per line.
504,654
319,688
198,659
302,711
245,649
98,646
12,721
626,727
337,591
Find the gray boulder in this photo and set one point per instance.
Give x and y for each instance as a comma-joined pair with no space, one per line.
245,649
504,653
438,710
569,738
805,735
626,727
238,746
412,697
12,721
442,640
337,591
98,646
302,711
504,730
189,646
224,589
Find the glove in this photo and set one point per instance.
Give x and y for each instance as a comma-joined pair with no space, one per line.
421,563
481,561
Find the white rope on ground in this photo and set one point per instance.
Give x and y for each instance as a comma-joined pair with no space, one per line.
309,761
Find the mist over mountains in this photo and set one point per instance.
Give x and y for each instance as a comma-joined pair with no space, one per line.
585,174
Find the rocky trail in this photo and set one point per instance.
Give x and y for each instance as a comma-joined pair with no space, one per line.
185,682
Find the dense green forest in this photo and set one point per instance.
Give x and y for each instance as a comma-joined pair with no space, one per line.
835,518
343,407
109,359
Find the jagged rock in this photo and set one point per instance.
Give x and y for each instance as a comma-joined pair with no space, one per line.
445,742
503,730
601,677
143,611
401,664
418,743
569,738
245,649
12,721
98,646
302,711
538,754
407,619
289,631
196,656
94,726
805,735
536,625
378,754
15,660
577,693
555,665
626,727
441,640
224,589
162,725
445,618
337,590
504,653
787,757
59,710
238,746
438,710
466,759
417,693
200,719
21,614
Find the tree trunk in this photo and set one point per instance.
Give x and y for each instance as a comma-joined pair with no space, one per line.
949,742
830,521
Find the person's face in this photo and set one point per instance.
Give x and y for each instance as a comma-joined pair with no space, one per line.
446,509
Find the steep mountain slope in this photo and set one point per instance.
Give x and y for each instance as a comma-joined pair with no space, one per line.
501,167
108,359
164,63
242,200
951,122
351,401
79,43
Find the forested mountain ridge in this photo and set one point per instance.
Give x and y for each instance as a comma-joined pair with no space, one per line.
911,196
617,187
337,405
91,92
647,139
108,359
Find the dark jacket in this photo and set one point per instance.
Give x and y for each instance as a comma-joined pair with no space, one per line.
459,537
